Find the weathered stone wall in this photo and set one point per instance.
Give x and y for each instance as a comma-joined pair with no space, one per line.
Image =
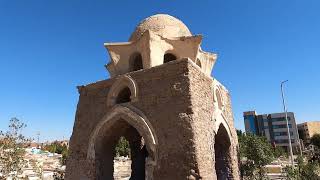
203,124
164,97
234,137
157,88
177,99
90,110
228,115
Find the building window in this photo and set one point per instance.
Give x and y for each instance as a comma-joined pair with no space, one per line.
123,96
282,133
280,119
135,62
284,141
169,57
281,126
198,63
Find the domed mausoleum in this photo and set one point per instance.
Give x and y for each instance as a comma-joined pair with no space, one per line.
161,98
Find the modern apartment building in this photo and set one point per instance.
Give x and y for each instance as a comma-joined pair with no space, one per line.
274,128
308,129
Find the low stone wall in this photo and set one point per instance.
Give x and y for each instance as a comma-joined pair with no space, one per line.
122,168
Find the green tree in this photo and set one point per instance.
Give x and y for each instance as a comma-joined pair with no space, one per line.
310,171
122,147
65,155
239,132
315,140
11,149
315,157
61,148
290,173
57,147
279,152
37,168
255,153
305,170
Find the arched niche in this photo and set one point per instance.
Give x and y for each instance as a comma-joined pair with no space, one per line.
135,62
219,99
120,90
169,57
124,96
123,121
198,62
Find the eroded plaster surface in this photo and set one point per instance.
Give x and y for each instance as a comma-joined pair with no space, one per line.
153,38
177,118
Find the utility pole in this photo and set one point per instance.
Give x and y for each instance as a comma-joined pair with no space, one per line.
285,111
38,137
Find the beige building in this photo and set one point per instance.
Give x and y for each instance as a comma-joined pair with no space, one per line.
162,99
308,129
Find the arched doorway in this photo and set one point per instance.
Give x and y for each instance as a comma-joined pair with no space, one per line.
105,150
222,154
123,122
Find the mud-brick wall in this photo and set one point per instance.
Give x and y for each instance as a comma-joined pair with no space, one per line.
234,137
90,110
202,99
164,98
228,114
203,124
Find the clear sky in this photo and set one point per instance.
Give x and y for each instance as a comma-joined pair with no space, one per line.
47,48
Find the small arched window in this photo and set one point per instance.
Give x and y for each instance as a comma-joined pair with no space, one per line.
218,95
123,96
198,63
135,62
169,57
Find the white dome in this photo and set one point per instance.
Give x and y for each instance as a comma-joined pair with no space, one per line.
162,24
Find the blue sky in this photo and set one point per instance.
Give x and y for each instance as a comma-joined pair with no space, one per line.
47,48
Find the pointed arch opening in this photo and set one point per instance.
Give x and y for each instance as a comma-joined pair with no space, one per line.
169,57
106,151
124,96
222,148
123,90
122,122
198,63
